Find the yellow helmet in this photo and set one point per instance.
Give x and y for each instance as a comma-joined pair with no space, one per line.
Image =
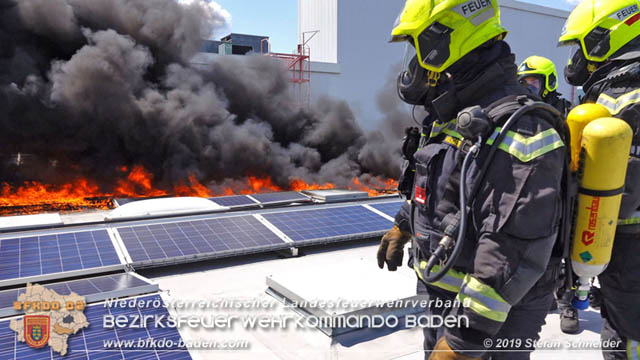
542,68
602,28
443,31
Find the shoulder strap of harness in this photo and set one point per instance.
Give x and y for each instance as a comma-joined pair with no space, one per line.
625,73
498,112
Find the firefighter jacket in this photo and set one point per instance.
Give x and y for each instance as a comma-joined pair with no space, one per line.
563,105
514,219
619,92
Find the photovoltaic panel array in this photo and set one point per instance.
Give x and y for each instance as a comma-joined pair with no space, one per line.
193,240
329,224
390,208
93,289
124,201
56,253
286,197
234,201
89,343
281,197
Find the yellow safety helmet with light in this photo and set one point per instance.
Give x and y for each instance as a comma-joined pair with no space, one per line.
543,68
603,30
443,31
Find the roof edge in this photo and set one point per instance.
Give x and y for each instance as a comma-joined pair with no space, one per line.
539,9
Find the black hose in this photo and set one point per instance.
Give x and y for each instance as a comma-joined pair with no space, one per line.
440,252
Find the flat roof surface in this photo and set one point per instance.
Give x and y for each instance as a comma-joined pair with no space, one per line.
244,278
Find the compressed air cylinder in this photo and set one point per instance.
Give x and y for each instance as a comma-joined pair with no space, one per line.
604,156
577,119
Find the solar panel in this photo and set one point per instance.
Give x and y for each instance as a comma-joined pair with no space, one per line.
233,201
192,240
329,224
93,289
33,256
281,197
390,208
89,343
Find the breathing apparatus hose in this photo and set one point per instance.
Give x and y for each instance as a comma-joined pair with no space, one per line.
447,242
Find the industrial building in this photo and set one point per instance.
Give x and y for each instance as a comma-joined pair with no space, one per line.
237,44
345,51
352,60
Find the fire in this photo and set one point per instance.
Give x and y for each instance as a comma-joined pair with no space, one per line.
194,188
377,187
79,193
34,197
299,185
260,185
137,184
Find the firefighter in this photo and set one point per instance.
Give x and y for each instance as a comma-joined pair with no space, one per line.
539,74
606,63
456,58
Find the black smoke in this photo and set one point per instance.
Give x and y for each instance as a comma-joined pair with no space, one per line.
94,86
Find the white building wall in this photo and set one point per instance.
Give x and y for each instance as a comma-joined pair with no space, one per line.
367,62
534,30
319,15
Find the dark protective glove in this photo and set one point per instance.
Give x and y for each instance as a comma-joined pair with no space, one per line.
443,351
595,297
410,142
391,249
410,145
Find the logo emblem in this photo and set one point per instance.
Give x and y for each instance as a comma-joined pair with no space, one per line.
586,257
588,238
36,330
623,14
472,7
420,195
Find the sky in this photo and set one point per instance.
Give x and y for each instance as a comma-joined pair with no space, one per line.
278,19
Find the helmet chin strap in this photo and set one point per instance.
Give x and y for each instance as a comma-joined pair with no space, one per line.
433,78
437,87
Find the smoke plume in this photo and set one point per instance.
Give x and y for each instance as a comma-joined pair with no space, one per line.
96,87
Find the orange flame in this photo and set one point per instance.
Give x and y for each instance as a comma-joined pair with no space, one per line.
381,186
31,193
34,197
193,189
299,185
138,183
258,185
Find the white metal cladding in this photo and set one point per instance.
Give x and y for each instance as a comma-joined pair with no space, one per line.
368,64
320,15
534,30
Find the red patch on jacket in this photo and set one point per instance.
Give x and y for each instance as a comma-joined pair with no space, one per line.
420,195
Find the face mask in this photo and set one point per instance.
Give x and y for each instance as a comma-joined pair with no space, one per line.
416,85
532,83
577,72
413,84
